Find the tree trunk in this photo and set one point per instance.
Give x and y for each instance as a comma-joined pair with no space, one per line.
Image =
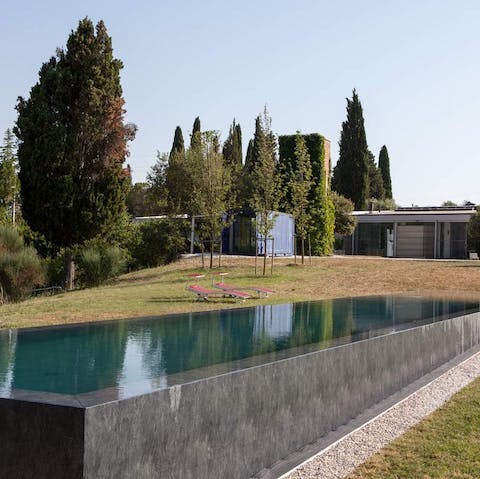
303,249
264,255
211,253
69,271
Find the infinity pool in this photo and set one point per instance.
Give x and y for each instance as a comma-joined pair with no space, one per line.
135,356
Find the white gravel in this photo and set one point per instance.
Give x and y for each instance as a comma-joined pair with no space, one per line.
342,457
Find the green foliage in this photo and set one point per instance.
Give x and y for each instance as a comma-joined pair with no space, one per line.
319,202
99,264
139,200
178,145
473,232
350,175
213,186
344,221
386,204
72,141
265,178
158,242
375,181
384,167
161,179
196,138
300,184
232,148
20,266
9,184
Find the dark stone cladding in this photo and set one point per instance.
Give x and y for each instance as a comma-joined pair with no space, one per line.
231,425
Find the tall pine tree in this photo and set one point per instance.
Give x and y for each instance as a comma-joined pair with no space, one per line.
376,189
384,166
73,142
350,175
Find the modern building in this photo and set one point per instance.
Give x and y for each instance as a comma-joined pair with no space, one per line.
242,236
430,232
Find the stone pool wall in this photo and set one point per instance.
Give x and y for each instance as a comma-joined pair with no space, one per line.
235,424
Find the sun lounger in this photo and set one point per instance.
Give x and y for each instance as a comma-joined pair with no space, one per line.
259,290
204,293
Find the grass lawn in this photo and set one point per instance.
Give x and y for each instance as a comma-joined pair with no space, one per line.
445,445
162,290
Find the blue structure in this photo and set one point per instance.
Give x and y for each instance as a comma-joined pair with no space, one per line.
241,236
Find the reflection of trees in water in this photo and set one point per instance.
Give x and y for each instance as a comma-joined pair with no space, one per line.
73,360
8,342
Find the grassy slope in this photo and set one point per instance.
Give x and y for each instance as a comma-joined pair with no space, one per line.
445,445
162,290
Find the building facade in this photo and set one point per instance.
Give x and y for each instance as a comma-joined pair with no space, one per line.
411,233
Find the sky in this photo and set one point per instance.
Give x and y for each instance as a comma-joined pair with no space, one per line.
415,66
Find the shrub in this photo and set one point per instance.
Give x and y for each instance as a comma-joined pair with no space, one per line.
98,264
20,271
158,242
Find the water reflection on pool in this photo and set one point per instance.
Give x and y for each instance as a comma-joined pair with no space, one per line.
140,355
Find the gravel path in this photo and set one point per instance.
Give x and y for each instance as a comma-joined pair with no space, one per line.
342,457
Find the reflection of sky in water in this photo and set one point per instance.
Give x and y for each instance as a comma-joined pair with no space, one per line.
134,368
136,356
7,354
273,320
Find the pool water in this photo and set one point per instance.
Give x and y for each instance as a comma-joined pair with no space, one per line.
135,356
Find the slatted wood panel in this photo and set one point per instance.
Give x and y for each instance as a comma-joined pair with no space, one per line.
415,241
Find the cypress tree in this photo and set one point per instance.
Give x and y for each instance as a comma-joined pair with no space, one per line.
350,175
196,138
375,181
232,148
178,145
384,166
73,142
253,154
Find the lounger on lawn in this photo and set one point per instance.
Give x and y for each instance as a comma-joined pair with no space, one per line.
259,290
204,293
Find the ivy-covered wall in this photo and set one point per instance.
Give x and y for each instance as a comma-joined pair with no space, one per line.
321,208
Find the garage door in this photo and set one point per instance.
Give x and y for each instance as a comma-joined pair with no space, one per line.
415,241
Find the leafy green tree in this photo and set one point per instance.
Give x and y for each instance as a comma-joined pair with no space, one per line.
73,142
9,184
139,200
375,180
211,195
344,220
157,179
384,167
350,175
178,145
265,194
301,183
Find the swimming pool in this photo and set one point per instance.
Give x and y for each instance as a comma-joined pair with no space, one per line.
213,395
131,357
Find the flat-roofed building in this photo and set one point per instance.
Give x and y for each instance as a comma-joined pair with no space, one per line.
430,232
